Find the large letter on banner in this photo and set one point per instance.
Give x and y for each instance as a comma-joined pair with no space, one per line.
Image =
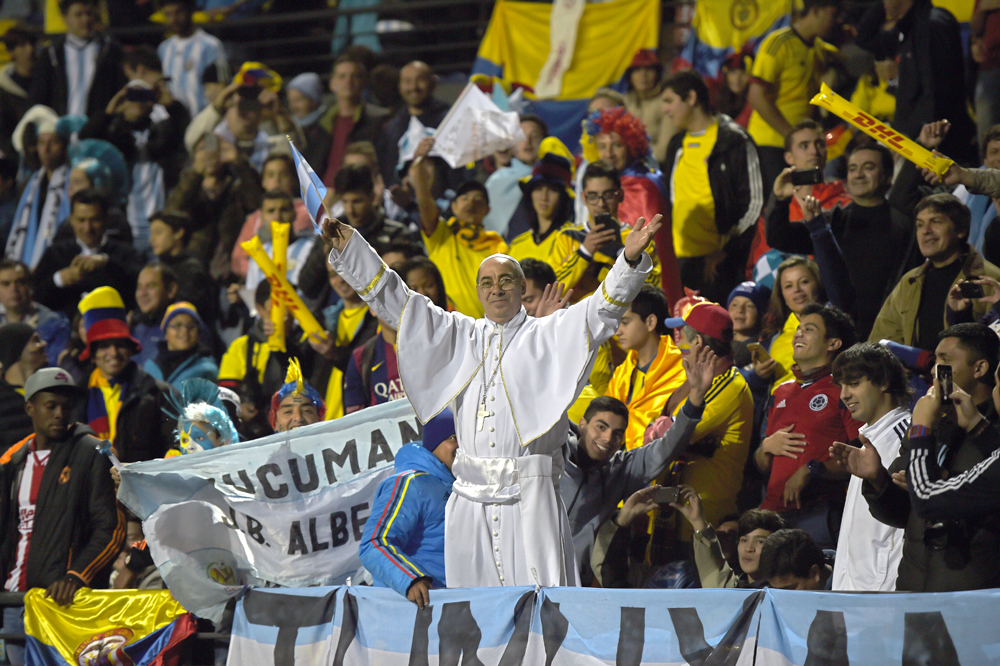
287,509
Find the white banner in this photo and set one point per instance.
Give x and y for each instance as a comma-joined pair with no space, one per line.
474,128
288,509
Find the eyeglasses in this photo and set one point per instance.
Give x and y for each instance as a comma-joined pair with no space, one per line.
182,327
506,283
609,197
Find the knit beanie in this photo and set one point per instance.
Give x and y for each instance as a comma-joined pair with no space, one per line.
758,294
13,339
438,429
308,84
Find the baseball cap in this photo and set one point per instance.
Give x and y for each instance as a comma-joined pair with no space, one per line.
707,318
55,380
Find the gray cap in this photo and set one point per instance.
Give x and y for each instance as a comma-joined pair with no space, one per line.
51,379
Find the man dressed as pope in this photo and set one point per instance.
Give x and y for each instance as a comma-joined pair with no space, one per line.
509,379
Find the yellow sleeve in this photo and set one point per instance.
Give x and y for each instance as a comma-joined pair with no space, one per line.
572,266
440,236
767,62
234,361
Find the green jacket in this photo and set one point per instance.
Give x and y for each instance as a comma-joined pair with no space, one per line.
897,320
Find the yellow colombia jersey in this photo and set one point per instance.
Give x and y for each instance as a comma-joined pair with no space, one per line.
527,246
793,68
457,250
234,362
727,423
582,274
348,322
651,389
694,230
781,351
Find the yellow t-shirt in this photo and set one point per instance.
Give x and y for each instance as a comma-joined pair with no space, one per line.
793,68
457,250
525,247
234,362
347,327
695,233
583,276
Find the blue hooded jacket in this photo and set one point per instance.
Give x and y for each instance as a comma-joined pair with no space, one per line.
404,535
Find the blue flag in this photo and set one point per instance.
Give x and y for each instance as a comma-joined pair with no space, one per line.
313,189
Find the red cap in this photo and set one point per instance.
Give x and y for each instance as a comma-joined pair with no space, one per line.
645,58
707,318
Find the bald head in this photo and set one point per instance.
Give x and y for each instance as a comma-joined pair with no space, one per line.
500,284
416,85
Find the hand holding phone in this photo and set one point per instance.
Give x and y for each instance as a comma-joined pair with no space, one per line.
807,176
757,352
945,382
970,289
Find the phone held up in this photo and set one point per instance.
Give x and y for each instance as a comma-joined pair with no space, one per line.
970,289
944,380
807,176
666,494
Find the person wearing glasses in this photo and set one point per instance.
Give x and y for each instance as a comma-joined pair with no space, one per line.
716,193
181,354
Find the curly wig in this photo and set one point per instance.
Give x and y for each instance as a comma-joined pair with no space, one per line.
630,128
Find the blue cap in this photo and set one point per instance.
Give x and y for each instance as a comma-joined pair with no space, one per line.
438,429
758,294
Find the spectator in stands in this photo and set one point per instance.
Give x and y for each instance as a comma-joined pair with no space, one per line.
349,324
43,545
791,560
181,354
355,187
147,125
599,473
621,139
416,86
277,206
68,269
96,164
252,352
652,370
16,78
548,202
731,98
537,276
874,389
168,237
985,50
459,245
22,353
747,303
305,102
44,199
156,288
372,375
350,119
80,72
295,404
876,239
715,190
604,98
404,548
982,208
943,554
191,57
786,74
585,252
423,276
502,185
805,418
17,305
752,530
914,313
644,78
235,118
123,403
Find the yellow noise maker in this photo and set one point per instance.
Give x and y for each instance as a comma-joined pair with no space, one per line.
880,131
281,289
279,255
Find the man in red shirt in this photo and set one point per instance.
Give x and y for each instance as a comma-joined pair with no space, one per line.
805,418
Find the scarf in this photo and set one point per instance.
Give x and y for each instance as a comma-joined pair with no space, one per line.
37,216
104,401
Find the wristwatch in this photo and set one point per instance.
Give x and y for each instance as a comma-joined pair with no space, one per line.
816,468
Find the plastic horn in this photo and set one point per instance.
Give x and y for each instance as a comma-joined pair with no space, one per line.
880,131
279,255
281,289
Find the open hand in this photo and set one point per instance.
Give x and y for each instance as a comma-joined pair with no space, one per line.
864,463
639,503
700,369
553,299
933,133
641,236
785,443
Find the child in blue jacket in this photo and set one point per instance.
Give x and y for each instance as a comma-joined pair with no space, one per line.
403,544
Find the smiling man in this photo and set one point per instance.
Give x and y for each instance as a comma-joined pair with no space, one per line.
914,313
806,416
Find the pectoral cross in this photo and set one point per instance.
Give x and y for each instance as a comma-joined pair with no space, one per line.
482,414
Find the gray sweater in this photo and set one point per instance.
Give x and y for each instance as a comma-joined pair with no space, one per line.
592,493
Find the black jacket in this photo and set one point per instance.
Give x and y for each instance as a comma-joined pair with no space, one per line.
50,86
733,176
79,526
14,421
121,272
143,430
959,555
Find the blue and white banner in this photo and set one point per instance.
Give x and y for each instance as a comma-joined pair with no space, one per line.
348,626
288,509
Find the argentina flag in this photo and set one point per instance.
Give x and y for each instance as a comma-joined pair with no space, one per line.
313,189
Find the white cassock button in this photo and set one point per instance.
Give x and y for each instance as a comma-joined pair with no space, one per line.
496,357
493,383
496,548
498,564
491,428
492,444
495,518
501,579
492,398
496,534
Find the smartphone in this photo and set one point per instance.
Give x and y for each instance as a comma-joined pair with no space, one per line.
140,94
944,379
971,289
666,495
605,221
807,176
757,352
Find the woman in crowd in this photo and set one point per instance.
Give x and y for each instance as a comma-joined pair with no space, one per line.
181,354
548,201
422,276
644,79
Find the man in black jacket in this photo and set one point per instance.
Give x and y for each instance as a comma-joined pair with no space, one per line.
22,353
60,522
80,72
713,162
69,269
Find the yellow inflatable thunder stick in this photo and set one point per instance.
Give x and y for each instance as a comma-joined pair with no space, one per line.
880,131
281,289
279,256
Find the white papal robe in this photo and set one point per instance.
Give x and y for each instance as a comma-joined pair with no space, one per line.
505,523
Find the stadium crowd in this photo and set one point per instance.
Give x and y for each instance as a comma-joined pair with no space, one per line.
790,375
